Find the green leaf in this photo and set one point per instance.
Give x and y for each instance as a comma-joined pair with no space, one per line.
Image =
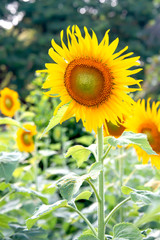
83,195
11,121
126,231
87,237
26,192
47,152
20,233
146,197
126,190
8,163
94,170
55,119
79,153
43,210
69,185
4,185
4,220
128,138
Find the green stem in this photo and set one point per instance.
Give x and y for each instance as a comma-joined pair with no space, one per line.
5,196
106,153
116,208
84,218
121,180
101,225
94,189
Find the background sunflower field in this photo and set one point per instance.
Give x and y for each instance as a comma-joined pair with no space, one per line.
27,179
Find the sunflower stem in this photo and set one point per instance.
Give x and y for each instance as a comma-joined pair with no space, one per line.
115,209
121,180
84,218
94,189
101,225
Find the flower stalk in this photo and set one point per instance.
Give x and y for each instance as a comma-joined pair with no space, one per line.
101,224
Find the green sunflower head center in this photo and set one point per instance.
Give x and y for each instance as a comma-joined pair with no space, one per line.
149,134
88,81
8,102
27,138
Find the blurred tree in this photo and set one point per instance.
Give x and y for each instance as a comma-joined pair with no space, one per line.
23,48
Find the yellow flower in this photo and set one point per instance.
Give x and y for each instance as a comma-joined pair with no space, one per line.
146,120
9,102
90,78
114,130
25,139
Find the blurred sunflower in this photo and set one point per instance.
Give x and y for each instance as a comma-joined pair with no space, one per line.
91,78
146,120
25,139
114,130
9,102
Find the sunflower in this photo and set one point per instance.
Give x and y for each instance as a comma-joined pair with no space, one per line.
90,78
114,130
25,139
147,120
9,102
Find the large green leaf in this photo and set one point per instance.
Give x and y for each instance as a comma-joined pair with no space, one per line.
11,121
130,138
145,197
55,119
8,163
69,185
43,210
142,196
80,153
126,231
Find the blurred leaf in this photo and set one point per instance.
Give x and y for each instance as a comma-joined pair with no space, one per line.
87,237
43,210
69,185
11,121
4,220
126,190
8,163
128,138
146,197
126,231
32,234
55,119
79,153
83,195
3,186
26,191
47,152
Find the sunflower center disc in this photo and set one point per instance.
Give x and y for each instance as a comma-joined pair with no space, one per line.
88,81
149,135
8,102
27,139
153,136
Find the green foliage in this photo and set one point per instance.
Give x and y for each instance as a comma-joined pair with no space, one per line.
83,195
80,153
8,163
128,138
43,210
56,119
87,237
11,121
126,231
